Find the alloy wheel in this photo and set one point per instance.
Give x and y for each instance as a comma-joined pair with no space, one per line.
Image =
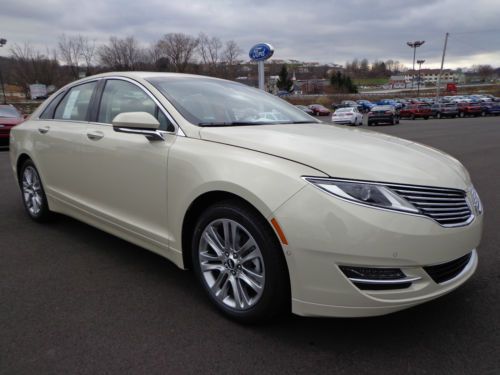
32,190
231,264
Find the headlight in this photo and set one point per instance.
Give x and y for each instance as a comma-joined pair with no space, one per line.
370,194
476,201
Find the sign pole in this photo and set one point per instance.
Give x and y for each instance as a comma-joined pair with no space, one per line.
260,53
261,75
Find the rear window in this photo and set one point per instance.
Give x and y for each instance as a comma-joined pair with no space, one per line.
9,112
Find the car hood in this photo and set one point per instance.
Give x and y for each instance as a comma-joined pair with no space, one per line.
348,153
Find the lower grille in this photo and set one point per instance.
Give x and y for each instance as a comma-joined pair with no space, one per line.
447,271
367,278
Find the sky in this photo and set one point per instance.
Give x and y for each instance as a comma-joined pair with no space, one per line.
326,31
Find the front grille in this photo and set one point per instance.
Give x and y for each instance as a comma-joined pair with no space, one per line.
448,207
447,271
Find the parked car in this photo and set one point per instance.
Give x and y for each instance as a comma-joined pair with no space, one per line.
349,116
383,114
319,110
184,166
306,109
492,108
414,111
468,108
349,104
441,110
9,117
366,105
391,102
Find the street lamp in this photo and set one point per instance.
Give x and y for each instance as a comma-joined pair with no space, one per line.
419,62
414,45
2,43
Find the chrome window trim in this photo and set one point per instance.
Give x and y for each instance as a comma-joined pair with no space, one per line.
465,223
177,131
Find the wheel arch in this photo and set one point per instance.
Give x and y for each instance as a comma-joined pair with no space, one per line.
201,203
21,159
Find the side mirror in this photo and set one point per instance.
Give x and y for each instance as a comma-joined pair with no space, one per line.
138,123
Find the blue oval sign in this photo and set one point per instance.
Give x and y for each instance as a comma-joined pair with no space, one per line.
261,52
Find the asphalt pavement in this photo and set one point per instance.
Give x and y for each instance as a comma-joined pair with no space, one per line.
75,300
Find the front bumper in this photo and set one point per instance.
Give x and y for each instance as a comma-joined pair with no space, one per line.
330,232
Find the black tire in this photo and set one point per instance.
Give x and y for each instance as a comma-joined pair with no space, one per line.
369,123
44,214
412,117
275,298
426,117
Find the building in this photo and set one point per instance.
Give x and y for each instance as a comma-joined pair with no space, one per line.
431,76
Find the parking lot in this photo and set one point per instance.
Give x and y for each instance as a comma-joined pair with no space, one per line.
74,299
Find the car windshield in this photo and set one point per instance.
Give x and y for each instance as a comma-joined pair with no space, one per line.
344,110
382,108
8,112
214,102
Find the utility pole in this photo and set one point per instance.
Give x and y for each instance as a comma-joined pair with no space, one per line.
2,43
414,45
419,62
442,63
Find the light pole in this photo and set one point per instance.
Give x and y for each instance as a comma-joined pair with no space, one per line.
2,43
414,45
419,62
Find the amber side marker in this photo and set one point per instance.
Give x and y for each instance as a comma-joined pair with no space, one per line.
278,229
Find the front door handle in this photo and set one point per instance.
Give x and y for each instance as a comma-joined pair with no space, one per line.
43,129
95,135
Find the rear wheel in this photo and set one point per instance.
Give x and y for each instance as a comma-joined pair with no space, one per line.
462,114
438,115
34,198
239,262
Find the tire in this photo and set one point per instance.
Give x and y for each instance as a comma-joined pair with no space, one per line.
426,117
412,117
462,114
222,273
483,113
33,194
394,121
438,116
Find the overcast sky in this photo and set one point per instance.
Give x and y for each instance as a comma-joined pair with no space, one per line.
324,31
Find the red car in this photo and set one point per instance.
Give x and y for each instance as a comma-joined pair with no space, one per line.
9,117
469,109
319,110
414,111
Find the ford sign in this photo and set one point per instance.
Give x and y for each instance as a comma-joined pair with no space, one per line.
261,52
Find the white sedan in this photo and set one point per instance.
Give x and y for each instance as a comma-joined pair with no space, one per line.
350,116
271,213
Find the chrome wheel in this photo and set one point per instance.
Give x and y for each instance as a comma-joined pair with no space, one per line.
231,264
32,190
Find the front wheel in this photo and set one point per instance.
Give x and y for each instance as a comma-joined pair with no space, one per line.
34,198
239,262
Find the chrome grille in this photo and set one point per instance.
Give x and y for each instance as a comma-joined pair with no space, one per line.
448,207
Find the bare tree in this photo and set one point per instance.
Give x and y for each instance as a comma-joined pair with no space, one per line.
31,66
122,54
231,52
179,49
88,49
70,49
211,52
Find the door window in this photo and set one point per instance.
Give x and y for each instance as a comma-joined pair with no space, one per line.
122,96
75,104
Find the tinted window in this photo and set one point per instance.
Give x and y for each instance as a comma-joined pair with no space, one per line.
75,104
122,96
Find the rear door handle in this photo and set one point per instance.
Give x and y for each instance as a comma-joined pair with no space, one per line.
95,135
43,129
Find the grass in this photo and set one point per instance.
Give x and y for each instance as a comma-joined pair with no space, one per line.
370,81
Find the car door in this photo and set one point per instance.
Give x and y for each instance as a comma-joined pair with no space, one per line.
127,173
59,140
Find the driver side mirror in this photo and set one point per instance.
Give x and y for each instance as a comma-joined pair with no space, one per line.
138,123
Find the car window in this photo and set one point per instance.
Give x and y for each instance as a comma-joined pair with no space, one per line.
9,112
48,112
122,96
75,104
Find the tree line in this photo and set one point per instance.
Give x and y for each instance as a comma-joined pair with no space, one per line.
79,55
362,68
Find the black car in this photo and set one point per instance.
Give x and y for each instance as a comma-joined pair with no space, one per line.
383,114
441,110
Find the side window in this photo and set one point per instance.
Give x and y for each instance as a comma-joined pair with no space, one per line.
122,96
75,104
48,112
